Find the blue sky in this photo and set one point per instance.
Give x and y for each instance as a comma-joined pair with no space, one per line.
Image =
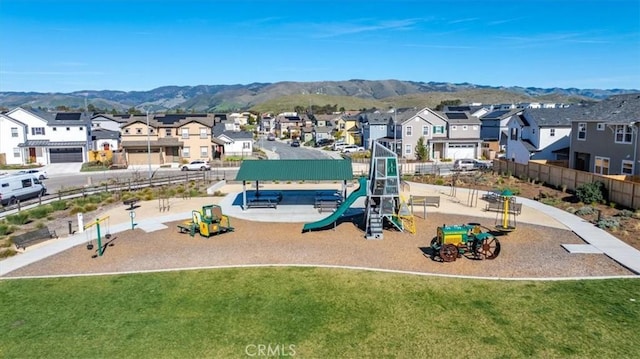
63,46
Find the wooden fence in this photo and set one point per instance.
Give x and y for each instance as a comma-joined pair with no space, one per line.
621,190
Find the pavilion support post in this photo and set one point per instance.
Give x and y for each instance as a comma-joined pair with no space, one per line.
244,195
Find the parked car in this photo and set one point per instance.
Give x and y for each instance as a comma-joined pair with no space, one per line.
295,143
352,148
197,165
338,145
271,137
324,142
39,173
470,164
20,186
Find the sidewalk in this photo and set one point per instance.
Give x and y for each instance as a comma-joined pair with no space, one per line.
150,218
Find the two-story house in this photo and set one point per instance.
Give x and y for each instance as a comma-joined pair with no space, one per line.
347,129
54,137
605,137
494,129
168,138
463,136
12,134
540,134
375,125
105,131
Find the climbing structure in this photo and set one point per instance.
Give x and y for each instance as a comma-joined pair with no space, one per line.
383,204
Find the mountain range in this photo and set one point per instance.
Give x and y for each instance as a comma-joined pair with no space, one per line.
283,96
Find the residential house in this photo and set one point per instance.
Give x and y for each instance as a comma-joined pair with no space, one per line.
540,134
494,131
267,124
605,137
12,134
105,131
347,129
168,139
54,137
474,110
323,120
306,134
234,143
288,124
322,133
463,136
375,125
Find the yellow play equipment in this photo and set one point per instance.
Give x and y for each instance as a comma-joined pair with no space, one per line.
207,222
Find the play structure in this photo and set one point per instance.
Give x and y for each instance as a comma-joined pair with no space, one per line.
383,204
457,240
207,222
97,223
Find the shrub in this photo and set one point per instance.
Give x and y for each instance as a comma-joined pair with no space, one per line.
571,210
59,205
39,225
5,229
41,211
439,182
608,223
76,209
585,210
18,218
625,213
7,253
90,207
591,192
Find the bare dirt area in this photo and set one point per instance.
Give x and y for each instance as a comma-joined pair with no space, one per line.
625,224
530,251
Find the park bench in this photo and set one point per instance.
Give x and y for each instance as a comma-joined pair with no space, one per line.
131,203
425,200
514,208
323,205
39,235
262,202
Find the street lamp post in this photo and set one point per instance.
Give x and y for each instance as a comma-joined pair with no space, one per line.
395,130
148,145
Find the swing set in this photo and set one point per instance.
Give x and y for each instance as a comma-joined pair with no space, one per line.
107,236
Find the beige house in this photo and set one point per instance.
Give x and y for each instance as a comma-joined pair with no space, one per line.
168,139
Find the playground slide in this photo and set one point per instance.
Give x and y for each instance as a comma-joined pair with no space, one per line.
362,191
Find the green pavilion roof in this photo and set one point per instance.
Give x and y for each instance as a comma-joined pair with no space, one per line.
295,170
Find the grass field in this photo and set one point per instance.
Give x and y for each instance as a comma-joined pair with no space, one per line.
318,313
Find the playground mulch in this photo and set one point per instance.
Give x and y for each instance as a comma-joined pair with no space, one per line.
531,251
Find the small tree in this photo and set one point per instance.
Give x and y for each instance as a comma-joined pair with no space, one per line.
422,152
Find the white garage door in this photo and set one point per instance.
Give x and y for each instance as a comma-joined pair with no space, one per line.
461,151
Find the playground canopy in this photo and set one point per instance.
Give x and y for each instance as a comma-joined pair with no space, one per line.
295,170
291,170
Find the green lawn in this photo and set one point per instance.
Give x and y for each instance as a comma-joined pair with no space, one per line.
319,313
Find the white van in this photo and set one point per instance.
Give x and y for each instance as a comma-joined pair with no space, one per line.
18,187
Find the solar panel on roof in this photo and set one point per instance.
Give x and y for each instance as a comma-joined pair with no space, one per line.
496,113
456,115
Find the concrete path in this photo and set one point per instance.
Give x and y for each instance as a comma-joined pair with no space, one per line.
149,218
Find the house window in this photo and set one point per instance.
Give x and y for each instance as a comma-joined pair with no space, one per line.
204,152
552,132
138,131
409,130
425,130
203,132
14,132
167,132
185,133
407,149
55,129
627,167
246,145
514,134
600,126
185,152
16,153
601,165
623,133
37,131
465,127
454,127
438,129
533,131
582,131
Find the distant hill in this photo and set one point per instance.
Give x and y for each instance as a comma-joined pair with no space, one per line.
281,96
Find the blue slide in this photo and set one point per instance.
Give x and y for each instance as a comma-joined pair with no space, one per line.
360,192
